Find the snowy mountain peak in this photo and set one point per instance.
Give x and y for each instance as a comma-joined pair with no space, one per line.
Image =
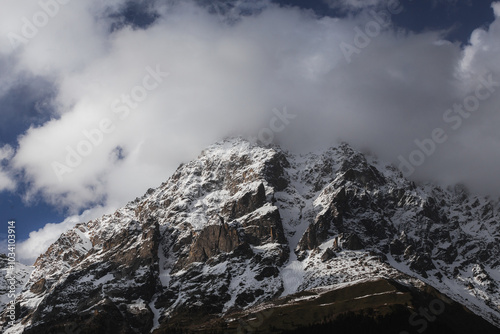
243,225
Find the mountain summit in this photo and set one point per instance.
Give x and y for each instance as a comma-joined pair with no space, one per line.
255,239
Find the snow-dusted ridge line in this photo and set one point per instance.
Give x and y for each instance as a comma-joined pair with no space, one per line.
244,224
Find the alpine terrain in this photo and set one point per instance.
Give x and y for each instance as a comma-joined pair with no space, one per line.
254,239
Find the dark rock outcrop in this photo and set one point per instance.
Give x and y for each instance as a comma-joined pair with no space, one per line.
352,242
246,204
211,241
327,255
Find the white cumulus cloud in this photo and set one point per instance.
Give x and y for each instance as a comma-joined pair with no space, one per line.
39,241
132,103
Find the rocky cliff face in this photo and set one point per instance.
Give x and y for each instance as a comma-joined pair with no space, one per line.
243,225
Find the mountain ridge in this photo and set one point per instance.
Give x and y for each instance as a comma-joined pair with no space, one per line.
244,224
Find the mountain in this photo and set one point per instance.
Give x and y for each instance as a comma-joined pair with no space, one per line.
13,278
248,238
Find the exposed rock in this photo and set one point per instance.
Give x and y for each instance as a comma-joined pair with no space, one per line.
409,251
318,232
38,287
246,204
263,228
327,255
397,247
352,242
274,171
336,246
211,241
431,210
267,272
422,264
369,177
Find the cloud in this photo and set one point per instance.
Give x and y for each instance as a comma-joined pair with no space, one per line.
496,8
133,102
355,4
7,181
222,78
6,152
39,241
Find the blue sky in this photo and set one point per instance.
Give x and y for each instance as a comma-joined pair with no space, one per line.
81,61
461,17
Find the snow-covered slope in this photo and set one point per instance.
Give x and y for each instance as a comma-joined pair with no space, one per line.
19,272
244,224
